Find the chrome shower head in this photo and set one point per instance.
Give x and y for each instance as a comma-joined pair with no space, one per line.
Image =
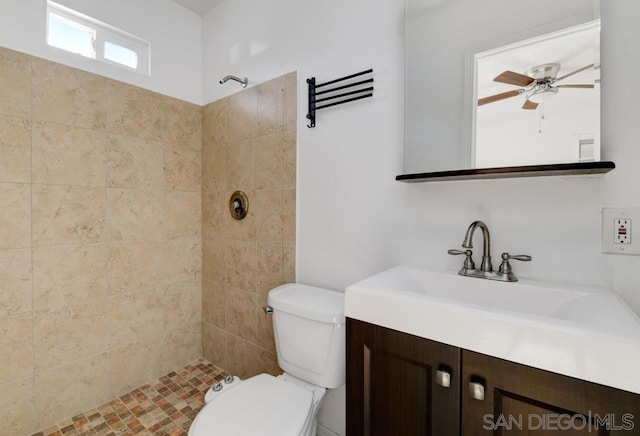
242,81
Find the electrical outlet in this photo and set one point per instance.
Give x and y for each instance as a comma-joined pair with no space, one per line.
622,231
617,230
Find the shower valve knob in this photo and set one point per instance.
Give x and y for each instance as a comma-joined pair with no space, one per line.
238,205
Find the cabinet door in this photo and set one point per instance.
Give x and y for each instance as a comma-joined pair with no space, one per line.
520,400
392,385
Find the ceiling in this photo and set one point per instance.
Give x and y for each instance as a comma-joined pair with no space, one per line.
200,7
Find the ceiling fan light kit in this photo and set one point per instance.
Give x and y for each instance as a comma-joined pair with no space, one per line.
538,84
541,94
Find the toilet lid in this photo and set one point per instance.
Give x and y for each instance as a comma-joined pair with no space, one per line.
262,405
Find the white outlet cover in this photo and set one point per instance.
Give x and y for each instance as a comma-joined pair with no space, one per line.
610,215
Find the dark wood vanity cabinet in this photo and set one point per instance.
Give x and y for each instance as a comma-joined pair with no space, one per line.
393,390
520,400
391,384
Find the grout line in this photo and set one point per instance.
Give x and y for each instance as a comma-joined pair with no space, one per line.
108,296
33,333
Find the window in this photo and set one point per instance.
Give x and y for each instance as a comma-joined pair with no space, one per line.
77,33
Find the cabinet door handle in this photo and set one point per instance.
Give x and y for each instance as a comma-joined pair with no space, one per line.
476,391
443,378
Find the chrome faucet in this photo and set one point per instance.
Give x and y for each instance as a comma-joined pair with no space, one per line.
486,243
486,271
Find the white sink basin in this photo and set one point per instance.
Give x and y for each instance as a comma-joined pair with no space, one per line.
587,333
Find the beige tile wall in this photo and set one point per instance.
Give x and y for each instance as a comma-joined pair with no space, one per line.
249,144
100,239
103,240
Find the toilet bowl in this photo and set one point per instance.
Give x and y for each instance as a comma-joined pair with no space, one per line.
309,332
262,405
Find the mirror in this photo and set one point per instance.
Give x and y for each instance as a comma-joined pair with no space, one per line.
501,83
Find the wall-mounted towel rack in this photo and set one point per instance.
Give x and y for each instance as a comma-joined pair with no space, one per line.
336,99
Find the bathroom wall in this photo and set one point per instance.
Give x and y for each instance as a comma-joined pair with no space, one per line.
249,144
356,150
100,239
175,35
354,219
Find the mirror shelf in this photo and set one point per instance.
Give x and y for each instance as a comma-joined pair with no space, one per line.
562,169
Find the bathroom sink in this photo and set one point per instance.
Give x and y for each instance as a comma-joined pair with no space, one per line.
583,332
522,298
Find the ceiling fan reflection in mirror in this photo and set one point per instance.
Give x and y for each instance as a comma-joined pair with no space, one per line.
537,85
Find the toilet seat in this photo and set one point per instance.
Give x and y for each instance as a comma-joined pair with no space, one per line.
262,405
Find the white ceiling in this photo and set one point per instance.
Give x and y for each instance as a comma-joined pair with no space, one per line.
200,7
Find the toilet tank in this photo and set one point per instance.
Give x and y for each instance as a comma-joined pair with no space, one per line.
309,330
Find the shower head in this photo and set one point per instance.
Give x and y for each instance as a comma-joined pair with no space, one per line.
243,81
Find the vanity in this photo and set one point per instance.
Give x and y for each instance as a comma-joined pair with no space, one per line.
435,353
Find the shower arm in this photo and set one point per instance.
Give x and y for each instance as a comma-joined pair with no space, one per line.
242,81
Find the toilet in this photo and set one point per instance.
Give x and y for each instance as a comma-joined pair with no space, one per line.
309,331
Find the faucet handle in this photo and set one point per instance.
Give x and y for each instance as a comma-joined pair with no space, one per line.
520,257
505,267
468,261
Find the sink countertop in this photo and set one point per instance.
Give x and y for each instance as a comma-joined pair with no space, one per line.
583,332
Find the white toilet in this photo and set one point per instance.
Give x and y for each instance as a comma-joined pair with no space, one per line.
309,330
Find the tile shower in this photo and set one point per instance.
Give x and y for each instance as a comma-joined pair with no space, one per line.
119,261
249,144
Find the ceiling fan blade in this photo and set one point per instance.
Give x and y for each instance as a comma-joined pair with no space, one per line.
575,86
498,97
514,78
575,72
529,105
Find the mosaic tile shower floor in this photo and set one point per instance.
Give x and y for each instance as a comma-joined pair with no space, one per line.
166,406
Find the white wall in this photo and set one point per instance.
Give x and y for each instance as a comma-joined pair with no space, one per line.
175,35
355,147
354,219
526,139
